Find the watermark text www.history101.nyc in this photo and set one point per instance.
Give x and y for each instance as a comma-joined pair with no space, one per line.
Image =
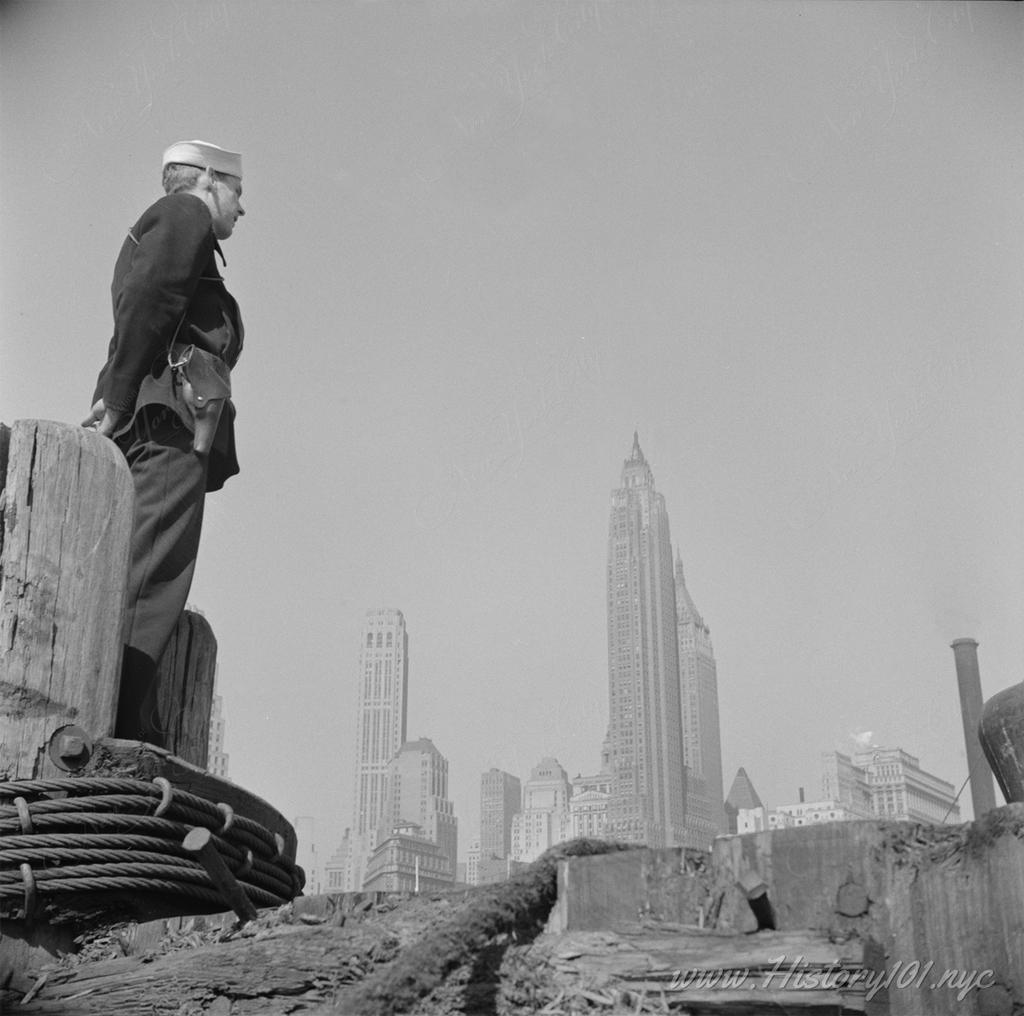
796,974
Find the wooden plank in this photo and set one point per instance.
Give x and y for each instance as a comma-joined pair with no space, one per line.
605,890
185,697
654,968
278,964
67,518
117,757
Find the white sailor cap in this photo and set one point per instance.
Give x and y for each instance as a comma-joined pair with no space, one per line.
205,156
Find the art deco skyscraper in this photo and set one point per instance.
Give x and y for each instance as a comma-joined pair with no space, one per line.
648,786
381,726
702,745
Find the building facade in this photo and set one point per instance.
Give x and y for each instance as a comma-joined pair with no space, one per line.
473,863
752,820
892,783
337,869
306,856
417,797
408,860
648,787
846,784
545,819
588,806
217,757
879,783
380,728
702,741
500,801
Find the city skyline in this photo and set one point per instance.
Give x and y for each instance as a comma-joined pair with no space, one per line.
646,587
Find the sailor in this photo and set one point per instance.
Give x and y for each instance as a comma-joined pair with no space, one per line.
164,397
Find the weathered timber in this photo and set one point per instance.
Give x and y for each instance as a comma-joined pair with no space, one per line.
5,443
280,963
942,902
696,971
136,760
601,891
185,698
66,523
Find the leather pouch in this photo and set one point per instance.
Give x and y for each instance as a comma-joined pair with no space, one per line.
205,382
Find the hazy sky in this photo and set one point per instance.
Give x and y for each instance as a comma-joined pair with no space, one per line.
487,241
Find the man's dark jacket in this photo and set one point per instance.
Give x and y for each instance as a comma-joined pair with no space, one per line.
167,290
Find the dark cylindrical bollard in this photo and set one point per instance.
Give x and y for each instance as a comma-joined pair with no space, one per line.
1001,733
968,679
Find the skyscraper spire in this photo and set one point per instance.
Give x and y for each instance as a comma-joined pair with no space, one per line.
635,470
636,455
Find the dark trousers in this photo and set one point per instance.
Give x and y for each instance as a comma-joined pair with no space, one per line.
170,489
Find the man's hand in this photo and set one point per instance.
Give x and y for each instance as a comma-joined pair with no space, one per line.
103,420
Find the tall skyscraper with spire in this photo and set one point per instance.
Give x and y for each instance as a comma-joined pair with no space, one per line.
648,778
380,730
702,743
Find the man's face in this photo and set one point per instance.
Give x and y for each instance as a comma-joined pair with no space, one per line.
225,205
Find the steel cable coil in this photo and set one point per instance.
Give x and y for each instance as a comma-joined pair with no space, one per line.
95,835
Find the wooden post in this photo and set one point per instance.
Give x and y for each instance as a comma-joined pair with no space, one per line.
187,669
5,443
66,523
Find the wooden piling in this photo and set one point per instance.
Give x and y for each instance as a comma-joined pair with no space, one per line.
66,525
187,670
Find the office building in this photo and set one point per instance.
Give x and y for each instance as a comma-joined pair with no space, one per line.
545,818
417,808
307,856
648,785
588,806
337,870
217,757
500,801
473,863
878,783
380,727
702,744
408,860
891,783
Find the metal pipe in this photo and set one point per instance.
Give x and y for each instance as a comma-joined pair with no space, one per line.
968,679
